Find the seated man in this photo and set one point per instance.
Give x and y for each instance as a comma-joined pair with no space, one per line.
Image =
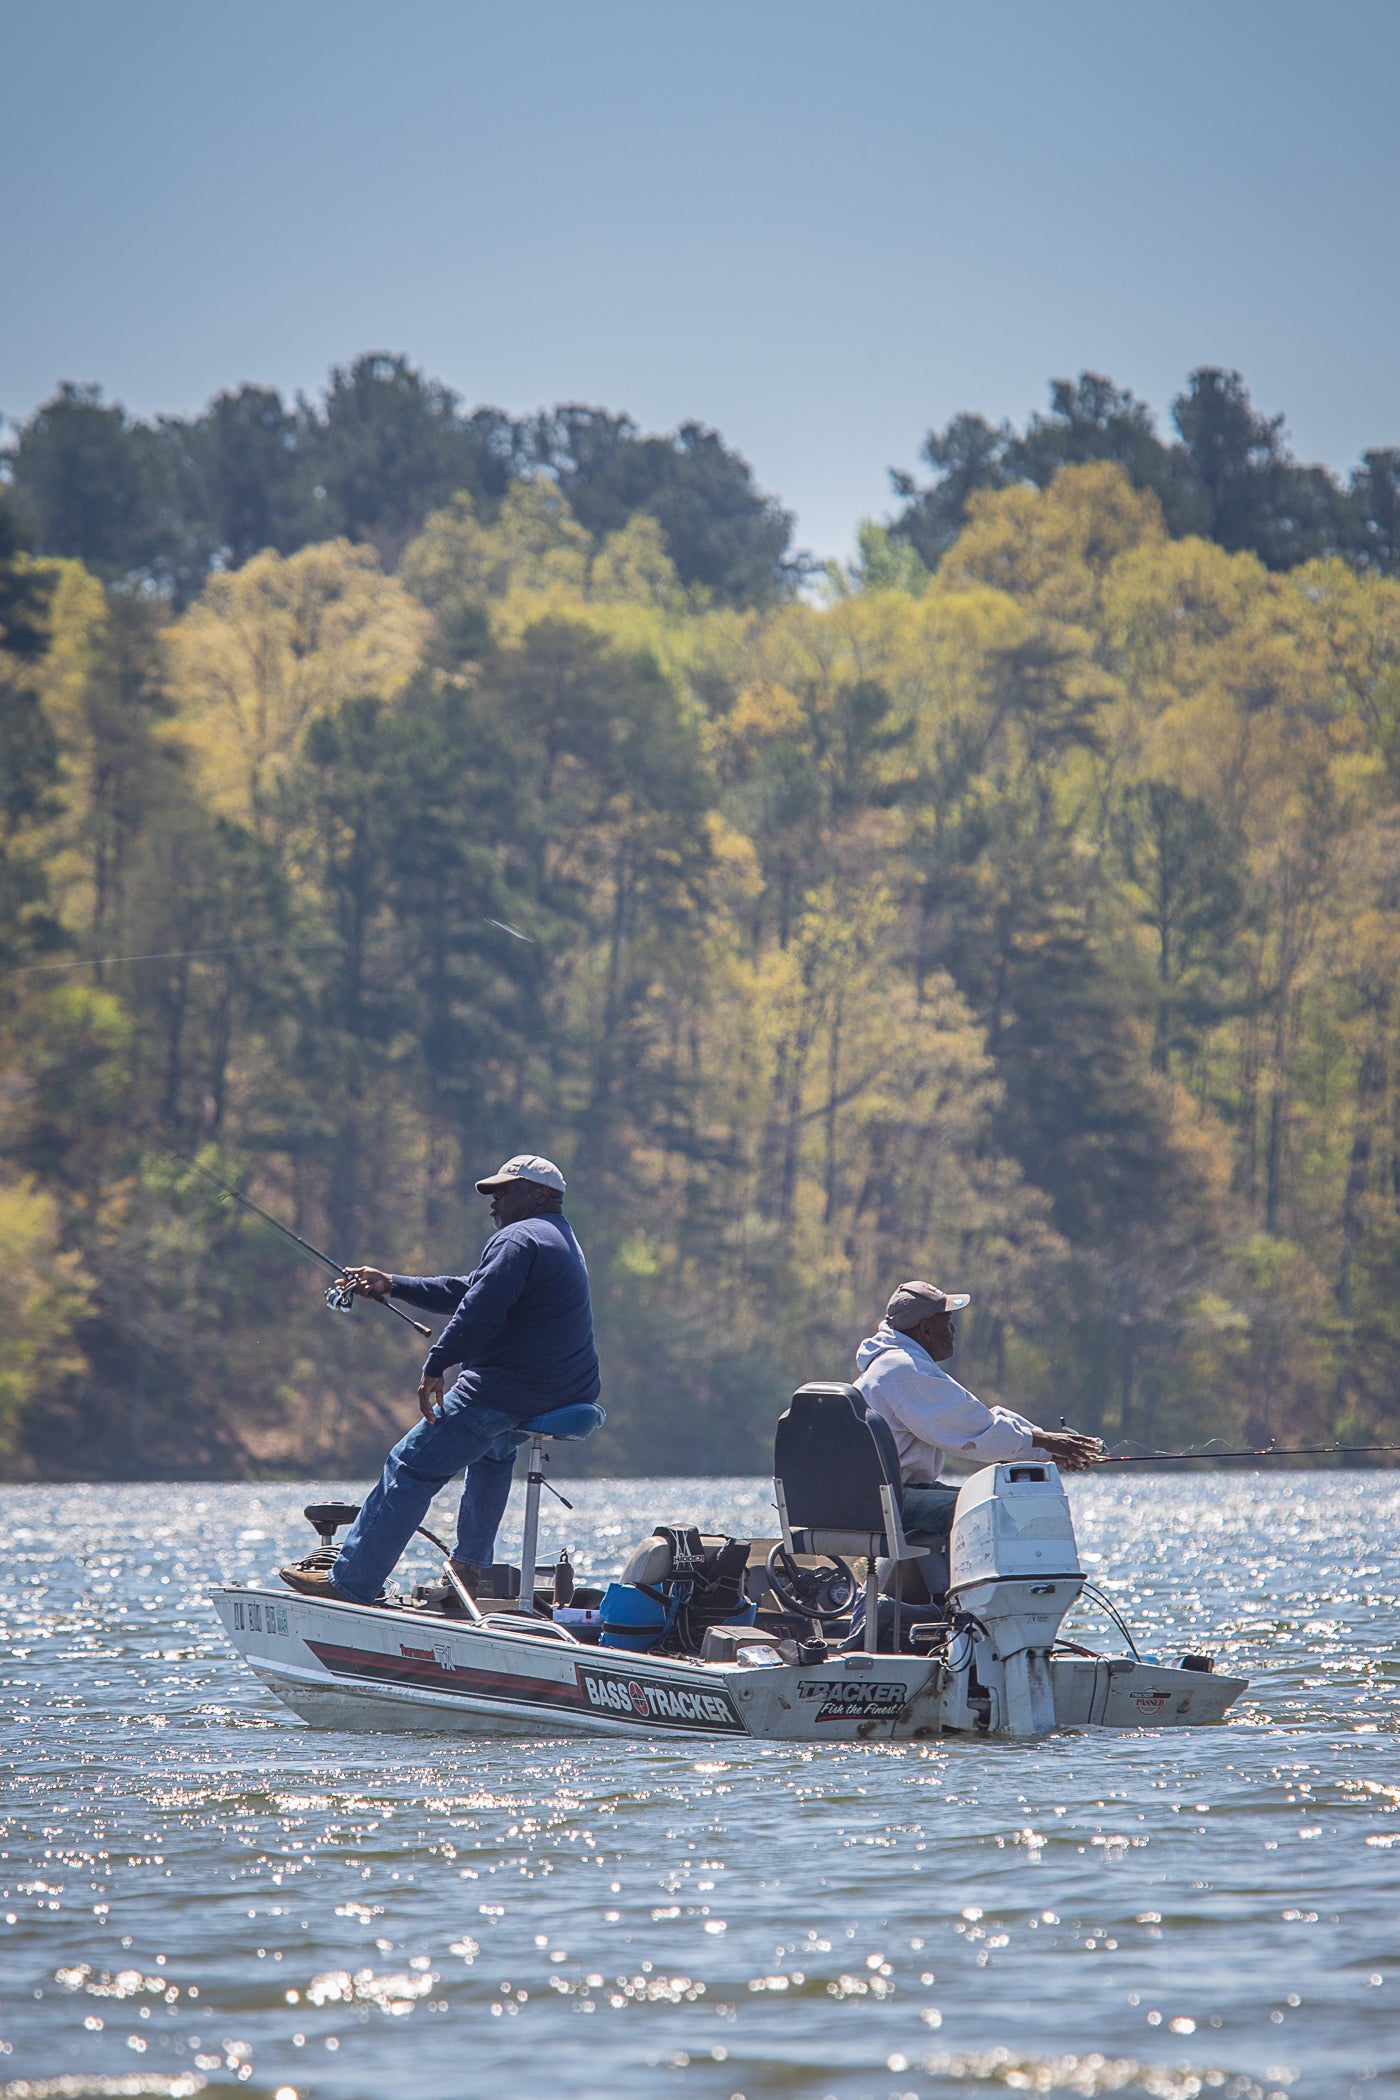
900,1377
522,1332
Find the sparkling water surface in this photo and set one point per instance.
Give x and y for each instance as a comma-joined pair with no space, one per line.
197,1892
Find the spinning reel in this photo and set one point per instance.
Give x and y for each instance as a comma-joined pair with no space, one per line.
826,1592
340,1297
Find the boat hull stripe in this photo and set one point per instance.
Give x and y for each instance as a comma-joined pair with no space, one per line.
432,1677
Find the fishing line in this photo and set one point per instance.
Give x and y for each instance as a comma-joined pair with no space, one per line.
101,962
98,962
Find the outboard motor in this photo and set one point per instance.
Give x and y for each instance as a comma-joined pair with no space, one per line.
1015,1568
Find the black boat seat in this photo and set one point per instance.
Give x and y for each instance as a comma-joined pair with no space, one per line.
837,1479
836,1472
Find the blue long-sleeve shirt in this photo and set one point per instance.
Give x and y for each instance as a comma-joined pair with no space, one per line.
522,1322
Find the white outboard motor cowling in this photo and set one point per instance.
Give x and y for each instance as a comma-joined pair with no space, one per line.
1015,1566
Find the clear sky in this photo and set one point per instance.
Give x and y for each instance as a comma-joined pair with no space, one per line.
821,227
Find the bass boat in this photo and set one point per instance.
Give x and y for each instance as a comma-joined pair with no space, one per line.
776,1639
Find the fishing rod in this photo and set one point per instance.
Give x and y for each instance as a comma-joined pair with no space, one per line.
1269,1450
339,1297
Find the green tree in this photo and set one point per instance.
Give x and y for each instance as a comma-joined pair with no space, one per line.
1187,871
1230,476
723,534
389,445
244,482
534,543
422,1006
1257,496
966,456
47,1294
884,563
29,752
86,482
1375,488
275,643
1092,419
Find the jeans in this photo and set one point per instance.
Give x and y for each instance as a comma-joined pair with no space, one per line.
927,1516
482,1439
927,1513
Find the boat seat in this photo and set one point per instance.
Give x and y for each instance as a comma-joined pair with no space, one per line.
836,1472
564,1425
570,1425
837,1479
652,1560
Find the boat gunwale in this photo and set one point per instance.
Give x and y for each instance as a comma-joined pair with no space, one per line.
491,1629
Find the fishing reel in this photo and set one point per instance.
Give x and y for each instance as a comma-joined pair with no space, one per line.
340,1297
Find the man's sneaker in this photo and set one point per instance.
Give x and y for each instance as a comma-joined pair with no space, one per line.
312,1582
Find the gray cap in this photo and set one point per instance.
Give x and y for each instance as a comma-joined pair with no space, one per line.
914,1302
526,1166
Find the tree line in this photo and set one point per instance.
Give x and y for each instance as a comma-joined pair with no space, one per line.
1228,475
1023,912
170,503
173,501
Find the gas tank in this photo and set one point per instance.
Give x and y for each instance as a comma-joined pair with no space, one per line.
1012,1520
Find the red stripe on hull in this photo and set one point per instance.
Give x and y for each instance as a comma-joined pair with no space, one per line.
432,1677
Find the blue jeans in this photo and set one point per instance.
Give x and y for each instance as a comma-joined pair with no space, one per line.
482,1439
927,1513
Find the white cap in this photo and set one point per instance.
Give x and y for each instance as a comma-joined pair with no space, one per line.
526,1166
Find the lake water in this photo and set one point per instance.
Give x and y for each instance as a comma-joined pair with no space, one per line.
199,1893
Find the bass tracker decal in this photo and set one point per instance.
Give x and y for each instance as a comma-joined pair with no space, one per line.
648,1699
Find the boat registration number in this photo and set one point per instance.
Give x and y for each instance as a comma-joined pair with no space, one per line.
648,1699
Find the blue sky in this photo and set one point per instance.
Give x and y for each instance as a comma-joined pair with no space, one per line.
819,227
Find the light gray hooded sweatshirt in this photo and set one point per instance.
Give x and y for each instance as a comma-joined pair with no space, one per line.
932,1416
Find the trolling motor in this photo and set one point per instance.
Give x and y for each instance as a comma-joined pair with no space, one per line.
327,1519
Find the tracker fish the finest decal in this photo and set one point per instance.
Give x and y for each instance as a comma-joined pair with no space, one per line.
854,1699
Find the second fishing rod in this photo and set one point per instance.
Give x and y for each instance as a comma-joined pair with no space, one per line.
1263,1451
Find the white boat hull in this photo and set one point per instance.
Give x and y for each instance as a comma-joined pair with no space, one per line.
341,1665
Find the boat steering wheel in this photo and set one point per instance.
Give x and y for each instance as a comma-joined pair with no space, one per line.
813,1593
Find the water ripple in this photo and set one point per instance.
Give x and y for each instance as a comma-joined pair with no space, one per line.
196,1892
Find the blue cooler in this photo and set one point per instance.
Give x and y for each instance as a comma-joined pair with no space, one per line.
632,1618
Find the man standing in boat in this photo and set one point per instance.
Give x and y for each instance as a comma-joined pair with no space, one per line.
522,1333
900,1374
